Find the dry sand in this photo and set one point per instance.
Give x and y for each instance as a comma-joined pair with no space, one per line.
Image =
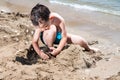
18,61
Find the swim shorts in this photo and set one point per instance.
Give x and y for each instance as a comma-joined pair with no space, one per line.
57,39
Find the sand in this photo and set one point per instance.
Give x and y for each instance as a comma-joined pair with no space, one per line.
18,60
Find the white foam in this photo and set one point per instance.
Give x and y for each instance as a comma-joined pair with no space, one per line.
87,7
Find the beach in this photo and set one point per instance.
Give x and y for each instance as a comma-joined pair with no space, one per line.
18,60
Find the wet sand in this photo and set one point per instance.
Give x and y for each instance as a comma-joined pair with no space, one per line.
19,61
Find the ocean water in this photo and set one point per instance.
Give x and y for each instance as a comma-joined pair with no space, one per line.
103,6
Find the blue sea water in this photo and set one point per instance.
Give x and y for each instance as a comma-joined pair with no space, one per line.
104,6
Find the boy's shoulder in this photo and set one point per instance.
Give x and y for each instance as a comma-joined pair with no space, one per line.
53,14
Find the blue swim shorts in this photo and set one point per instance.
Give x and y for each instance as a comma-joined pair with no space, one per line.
57,39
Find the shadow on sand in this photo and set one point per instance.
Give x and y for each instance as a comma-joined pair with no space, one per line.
32,57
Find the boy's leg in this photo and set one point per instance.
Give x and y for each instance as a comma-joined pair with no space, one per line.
78,40
49,36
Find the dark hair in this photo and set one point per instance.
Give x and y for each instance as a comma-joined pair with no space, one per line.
39,12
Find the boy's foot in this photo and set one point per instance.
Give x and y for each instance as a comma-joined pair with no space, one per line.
94,50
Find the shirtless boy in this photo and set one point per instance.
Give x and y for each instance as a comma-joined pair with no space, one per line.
50,27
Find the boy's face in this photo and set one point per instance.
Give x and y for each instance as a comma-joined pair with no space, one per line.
44,25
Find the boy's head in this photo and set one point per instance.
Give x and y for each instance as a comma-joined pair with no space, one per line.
39,13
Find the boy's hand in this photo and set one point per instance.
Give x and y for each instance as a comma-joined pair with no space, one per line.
52,48
55,52
44,56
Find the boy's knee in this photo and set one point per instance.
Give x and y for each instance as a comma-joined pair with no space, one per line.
53,28
53,31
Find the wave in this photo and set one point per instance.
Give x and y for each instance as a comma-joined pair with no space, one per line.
87,7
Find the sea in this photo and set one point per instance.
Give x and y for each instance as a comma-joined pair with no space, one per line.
104,6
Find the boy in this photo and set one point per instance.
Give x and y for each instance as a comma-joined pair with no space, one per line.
50,27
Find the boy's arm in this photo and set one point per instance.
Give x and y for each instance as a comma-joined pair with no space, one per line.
64,36
63,40
36,46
